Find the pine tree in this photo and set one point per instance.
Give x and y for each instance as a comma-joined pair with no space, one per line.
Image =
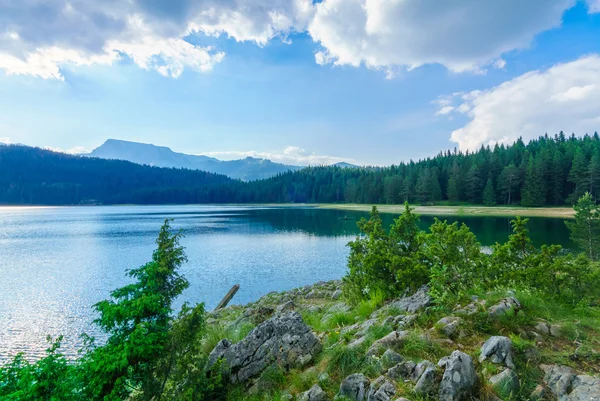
557,195
585,230
533,193
489,193
509,182
434,185
473,185
594,174
579,176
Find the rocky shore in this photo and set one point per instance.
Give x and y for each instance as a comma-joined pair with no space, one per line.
308,345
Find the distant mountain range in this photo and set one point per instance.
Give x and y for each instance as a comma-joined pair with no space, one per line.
247,169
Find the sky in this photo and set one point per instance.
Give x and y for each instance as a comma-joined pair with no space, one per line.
298,81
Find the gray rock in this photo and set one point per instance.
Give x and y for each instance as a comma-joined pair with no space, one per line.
507,381
404,321
285,307
357,343
340,307
323,377
392,340
543,328
505,306
315,393
471,308
555,330
420,369
498,349
401,399
390,358
355,387
538,393
415,302
459,379
427,384
337,294
287,397
567,386
284,339
402,371
449,325
381,390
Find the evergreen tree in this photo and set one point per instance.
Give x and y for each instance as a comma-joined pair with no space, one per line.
489,193
509,182
533,189
473,184
594,173
579,176
585,230
557,196
434,185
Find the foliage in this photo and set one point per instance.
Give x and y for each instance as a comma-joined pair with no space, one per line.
384,264
585,230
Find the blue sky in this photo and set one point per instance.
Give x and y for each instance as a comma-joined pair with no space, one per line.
370,82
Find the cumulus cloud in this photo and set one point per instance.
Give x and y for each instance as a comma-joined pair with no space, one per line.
564,97
5,140
39,37
76,150
290,155
462,35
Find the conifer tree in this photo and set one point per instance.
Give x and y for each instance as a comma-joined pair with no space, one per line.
585,230
489,193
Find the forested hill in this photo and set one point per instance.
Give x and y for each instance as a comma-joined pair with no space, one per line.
36,176
545,172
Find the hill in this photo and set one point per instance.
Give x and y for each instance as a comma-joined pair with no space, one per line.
247,169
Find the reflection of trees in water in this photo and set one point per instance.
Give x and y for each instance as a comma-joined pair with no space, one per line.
324,222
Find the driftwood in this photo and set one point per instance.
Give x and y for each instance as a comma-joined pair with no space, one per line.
228,297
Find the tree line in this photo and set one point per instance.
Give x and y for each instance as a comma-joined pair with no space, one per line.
548,171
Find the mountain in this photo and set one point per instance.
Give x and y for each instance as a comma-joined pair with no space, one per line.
248,169
345,165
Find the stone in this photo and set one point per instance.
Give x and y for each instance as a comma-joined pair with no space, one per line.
459,379
449,325
567,386
381,390
420,369
323,377
402,371
506,381
355,387
413,303
357,343
555,330
284,339
315,393
285,307
504,307
286,397
543,328
389,359
392,340
337,294
498,349
538,393
427,384
340,307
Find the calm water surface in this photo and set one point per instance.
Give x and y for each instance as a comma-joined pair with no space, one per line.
57,262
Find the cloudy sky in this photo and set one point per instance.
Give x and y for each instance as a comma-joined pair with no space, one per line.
298,81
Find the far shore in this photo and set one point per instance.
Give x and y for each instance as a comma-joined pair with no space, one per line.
558,212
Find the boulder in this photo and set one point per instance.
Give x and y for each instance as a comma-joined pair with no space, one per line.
506,381
567,386
427,383
392,340
337,294
413,303
354,387
315,393
449,325
459,379
381,390
498,349
402,371
389,359
538,393
284,339
504,307
285,307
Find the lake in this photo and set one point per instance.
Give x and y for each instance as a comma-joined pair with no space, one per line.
57,262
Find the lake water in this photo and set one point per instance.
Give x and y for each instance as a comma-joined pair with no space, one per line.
57,262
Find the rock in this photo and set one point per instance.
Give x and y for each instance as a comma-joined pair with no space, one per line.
543,328
285,307
471,308
337,294
415,302
449,325
357,343
503,307
340,307
426,385
538,393
315,393
506,381
284,339
567,386
323,377
286,397
555,330
355,387
420,369
402,371
585,388
498,349
381,390
392,340
459,379
390,358
558,380
404,321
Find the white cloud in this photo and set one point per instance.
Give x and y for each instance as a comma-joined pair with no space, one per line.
564,97
5,140
290,155
462,35
445,110
39,37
